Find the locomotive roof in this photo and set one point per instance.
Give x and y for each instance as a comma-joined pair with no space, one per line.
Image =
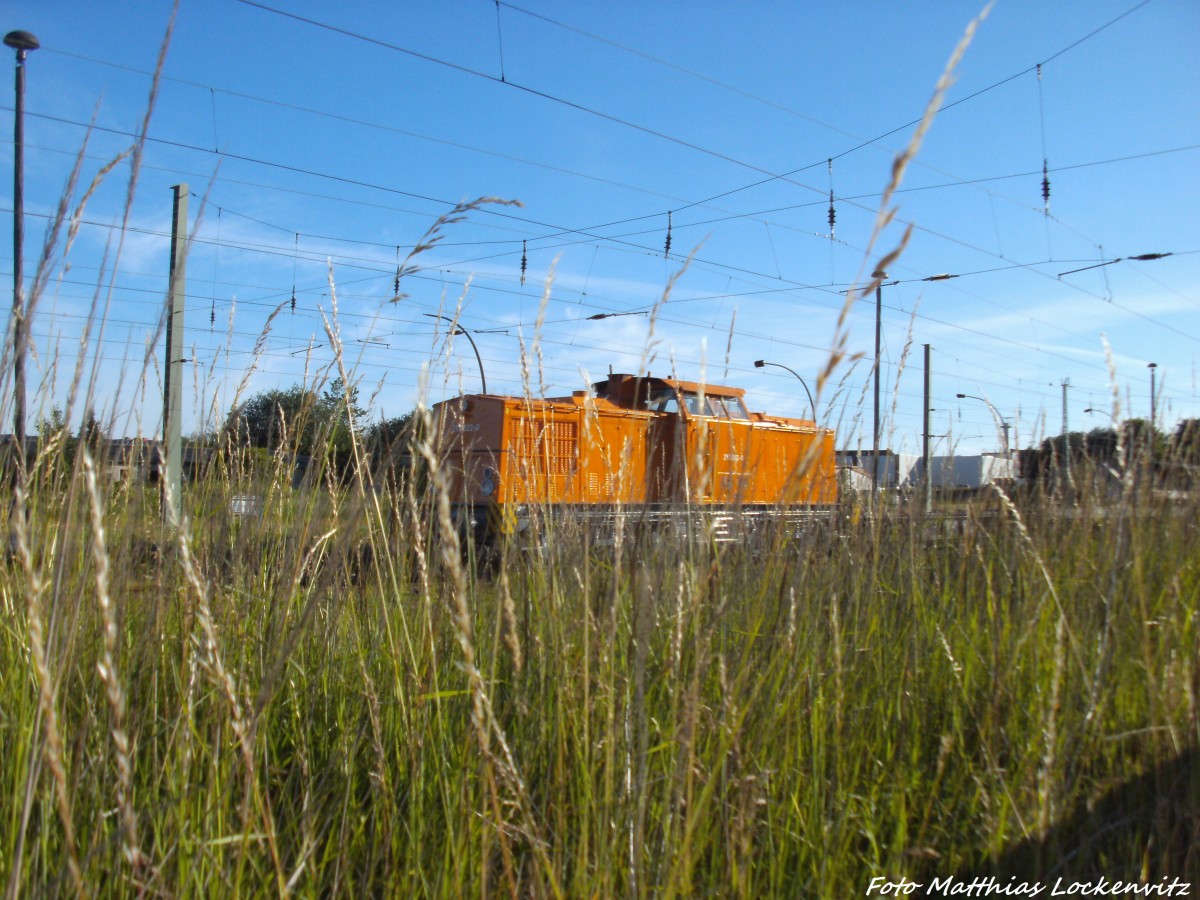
612,385
631,391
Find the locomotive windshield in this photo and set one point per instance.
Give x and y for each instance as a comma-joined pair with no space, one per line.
663,400
666,400
728,407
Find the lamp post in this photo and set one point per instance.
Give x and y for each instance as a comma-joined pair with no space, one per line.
467,335
1000,420
22,42
759,363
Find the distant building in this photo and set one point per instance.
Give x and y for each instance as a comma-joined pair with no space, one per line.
132,460
972,471
906,470
8,450
129,460
895,469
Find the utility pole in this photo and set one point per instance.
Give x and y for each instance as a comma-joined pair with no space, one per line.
928,460
172,471
1153,406
22,42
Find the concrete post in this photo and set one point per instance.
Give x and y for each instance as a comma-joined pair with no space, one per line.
172,469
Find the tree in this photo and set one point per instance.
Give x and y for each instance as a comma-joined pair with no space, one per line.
53,435
92,434
1142,439
277,419
300,422
388,439
1101,445
1051,456
1184,444
341,417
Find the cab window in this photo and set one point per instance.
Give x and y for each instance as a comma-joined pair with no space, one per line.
696,405
664,401
737,409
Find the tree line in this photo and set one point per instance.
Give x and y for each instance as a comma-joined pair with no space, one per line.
1133,442
318,427
308,424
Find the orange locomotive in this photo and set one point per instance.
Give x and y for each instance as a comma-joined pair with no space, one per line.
632,446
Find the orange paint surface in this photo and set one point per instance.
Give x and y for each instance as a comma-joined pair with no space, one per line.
630,441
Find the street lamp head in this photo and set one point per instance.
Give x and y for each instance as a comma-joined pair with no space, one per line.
961,396
1152,366
879,273
759,363
21,40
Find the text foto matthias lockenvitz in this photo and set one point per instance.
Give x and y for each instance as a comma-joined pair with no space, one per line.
989,886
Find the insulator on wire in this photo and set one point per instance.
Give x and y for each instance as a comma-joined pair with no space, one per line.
524,261
212,314
295,253
832,213
667,246
1045,165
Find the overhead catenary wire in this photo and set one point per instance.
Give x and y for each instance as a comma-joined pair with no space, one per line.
834,292
862,142
749,270
786,176
429,58
552,342
270,303
588,231
798,285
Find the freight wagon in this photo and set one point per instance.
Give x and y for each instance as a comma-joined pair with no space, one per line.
638,449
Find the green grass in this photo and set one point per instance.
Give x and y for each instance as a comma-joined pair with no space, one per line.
659,718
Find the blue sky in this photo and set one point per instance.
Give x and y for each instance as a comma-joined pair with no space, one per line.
324,145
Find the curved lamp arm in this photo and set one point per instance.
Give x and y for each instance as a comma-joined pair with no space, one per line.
1000,423
759,363
461,330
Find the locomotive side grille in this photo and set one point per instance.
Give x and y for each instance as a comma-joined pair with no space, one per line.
548,448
